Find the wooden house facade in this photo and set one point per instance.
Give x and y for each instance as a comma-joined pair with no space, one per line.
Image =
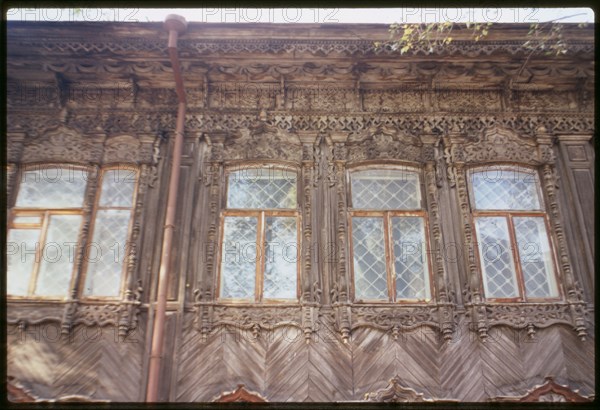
413,269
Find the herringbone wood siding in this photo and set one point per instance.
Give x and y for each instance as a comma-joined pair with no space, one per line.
282,367
92,362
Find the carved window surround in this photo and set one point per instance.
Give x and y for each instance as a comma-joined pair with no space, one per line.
380,145
63,144
498,145
260,143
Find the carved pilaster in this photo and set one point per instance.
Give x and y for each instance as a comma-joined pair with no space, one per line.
129,310
153,170
213,171
473,289
576,303
14,146
12,170
310,287
342,293
82,240
128,318
446,308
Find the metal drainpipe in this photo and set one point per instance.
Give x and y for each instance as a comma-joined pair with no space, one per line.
174,24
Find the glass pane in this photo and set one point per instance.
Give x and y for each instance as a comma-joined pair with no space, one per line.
238,260
281,252
410,258
535,257
505,188
370,278
496,258
58,255
256,188
21,219
385,189
52,188
106,253
20,252
117,187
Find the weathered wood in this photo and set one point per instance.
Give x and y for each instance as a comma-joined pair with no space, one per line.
320,100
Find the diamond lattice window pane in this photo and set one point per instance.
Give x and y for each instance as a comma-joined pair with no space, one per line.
117,188
505,188
535,257
370,277
410,258
385,189
261,188
107,253
238,261
58,255
281,251
20,250
496,258
27,219
52,188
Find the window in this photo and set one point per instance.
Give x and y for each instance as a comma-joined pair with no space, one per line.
389,244
45,226
513,245
259,250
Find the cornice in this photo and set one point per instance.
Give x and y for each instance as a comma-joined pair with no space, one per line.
239,46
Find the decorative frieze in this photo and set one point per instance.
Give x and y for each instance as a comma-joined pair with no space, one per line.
319,47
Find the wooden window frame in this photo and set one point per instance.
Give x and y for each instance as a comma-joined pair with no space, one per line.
509,215
46,213
387,215
97,207
261,214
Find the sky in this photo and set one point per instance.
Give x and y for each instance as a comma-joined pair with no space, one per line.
293,15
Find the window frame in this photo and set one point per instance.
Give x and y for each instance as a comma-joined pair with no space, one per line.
509,215
260,214
387,215
45,213
92,224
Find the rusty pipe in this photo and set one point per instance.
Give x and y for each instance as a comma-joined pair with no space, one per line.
175,25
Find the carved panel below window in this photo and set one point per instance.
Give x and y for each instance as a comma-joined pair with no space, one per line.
547,392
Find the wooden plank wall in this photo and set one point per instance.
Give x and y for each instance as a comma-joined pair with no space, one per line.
282,367
91,362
